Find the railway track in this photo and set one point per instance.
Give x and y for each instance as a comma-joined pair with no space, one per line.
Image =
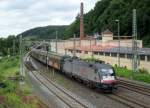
131,102
128,101
139,88
70,100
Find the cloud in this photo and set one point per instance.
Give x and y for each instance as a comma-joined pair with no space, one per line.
17,16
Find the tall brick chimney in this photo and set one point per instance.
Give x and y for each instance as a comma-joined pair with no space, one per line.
81,21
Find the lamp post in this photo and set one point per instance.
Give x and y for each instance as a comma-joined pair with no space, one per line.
118,22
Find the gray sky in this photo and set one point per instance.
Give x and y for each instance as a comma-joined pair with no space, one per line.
17,16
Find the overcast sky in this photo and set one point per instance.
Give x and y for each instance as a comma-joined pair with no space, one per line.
17,16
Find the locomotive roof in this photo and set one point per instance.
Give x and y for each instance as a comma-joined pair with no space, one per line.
94,65
98,65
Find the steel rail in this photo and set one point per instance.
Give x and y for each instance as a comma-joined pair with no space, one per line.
60,89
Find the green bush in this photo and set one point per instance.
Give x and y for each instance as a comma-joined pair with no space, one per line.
13,100
10,87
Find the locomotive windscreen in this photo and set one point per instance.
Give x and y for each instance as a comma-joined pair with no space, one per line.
106,72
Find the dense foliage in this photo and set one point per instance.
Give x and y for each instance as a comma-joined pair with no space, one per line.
48,32
106,11
6,45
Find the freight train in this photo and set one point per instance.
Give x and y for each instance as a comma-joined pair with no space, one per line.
97,75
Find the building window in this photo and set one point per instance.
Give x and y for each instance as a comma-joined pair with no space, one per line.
129,56
107,54
122,55
142,57
101,53
114,54
86,52
96,53
79,51
148,57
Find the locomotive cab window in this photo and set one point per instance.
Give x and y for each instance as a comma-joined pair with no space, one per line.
106,72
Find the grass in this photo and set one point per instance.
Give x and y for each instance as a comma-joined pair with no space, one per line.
14,97
142,75
9,66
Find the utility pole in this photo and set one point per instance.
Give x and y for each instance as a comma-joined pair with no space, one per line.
118,22
56,40
74,46
8,52
91,49
134,43
49,45
47,49
14,48
22,74
21,59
